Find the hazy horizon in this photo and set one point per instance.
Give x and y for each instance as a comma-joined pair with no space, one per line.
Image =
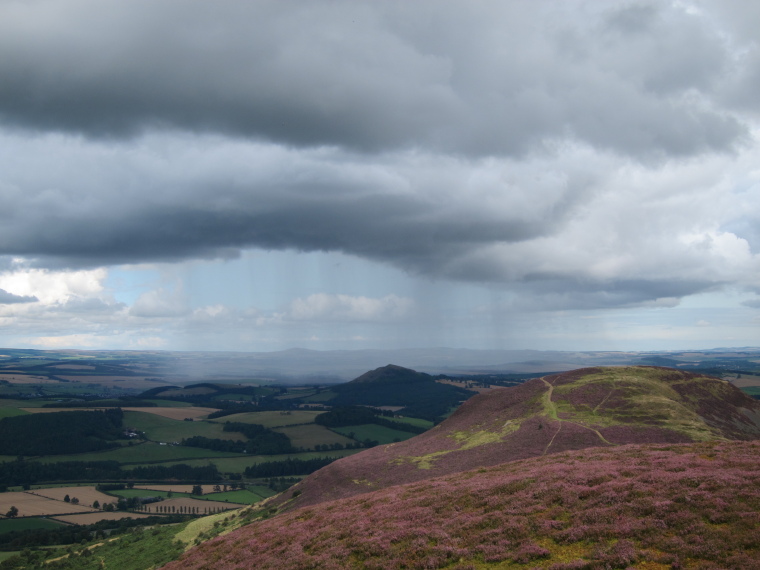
343,175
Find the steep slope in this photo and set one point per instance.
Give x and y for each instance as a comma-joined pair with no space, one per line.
593,407
643,506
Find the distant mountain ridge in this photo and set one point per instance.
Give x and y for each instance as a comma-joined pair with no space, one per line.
590,407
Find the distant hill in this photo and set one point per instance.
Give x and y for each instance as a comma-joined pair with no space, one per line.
416,393
636,506
593,407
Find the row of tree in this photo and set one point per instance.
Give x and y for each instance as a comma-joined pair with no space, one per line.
22,472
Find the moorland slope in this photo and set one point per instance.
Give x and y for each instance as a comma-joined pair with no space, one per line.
636,506
592,407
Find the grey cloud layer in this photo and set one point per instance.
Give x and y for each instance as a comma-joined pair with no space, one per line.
576,152
10,299
484,78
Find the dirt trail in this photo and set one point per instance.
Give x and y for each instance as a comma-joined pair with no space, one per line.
551,410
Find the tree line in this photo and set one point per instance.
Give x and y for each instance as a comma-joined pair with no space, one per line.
261,440
358,415
31,472
287,467
59,433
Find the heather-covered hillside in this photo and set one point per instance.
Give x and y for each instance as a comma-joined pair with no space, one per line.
593,407
640,506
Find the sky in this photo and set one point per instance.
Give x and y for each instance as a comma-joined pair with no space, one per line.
347,174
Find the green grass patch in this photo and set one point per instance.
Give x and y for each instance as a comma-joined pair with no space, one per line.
751,390
419,422
129,493
170,403
143,453
9,525
6,555
137,550
323,396
10,412
308,436
244,497
273,419
238,464
159,428
380,434
235,397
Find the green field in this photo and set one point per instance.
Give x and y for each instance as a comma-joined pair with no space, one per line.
244,497
323,396
6,555
236,397
380,434
159,428
411,421
307,436
751,390
238,464
8,525
273,419
170,403
8,412
143,453
128,493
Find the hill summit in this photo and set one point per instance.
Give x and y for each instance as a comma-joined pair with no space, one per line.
407,391
592,407
391,374
535,476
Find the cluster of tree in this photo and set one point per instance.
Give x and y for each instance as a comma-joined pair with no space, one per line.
288,466
358,415
261,440
60,432
279,484
29,472
339,446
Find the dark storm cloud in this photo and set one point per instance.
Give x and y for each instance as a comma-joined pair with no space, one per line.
567,293
533,145
419,216
483,78
10,299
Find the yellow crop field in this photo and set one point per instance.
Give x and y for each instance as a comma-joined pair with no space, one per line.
30,505
86,495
